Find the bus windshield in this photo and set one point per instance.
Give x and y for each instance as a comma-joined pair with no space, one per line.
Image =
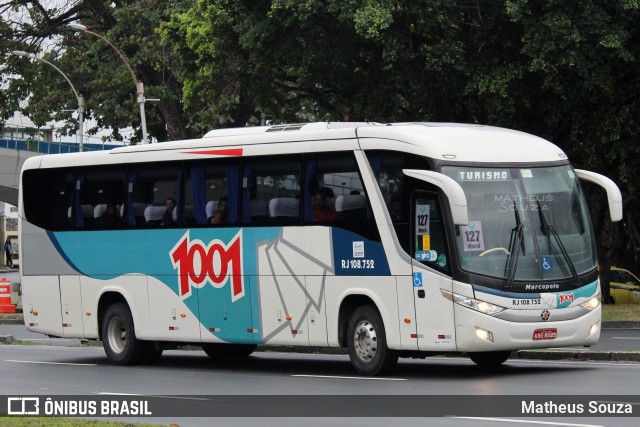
525,223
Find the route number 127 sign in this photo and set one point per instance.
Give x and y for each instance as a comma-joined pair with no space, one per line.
472,237
422,220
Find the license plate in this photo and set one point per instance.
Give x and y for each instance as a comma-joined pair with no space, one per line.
545,334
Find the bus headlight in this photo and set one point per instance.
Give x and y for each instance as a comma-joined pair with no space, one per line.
592,303
484,335
474,304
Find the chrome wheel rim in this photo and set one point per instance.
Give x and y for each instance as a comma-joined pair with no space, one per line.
117,335
365,340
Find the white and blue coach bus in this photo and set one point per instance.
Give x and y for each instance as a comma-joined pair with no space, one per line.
432,239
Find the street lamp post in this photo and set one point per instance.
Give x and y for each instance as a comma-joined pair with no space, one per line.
139,84
80,98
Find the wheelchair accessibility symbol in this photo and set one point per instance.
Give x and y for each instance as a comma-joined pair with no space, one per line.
417,280
546,262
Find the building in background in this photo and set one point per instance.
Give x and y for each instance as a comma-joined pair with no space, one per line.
20,133
9,228
20,128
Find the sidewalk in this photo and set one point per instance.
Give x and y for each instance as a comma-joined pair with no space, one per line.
545,354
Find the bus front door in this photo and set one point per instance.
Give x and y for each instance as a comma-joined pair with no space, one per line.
435,326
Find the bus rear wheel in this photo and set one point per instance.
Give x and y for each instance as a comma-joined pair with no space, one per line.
228,351
490,359
367,343
119,337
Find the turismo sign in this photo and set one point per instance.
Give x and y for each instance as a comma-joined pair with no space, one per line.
484,175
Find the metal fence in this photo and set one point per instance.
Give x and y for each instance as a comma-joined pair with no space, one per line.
52,147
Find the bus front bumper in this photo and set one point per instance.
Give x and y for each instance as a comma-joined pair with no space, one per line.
476,331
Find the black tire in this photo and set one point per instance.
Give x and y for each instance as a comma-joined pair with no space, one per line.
228,351
119,337
367,343
490,359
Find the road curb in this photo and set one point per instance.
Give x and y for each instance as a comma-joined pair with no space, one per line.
11,322
602,356
620,324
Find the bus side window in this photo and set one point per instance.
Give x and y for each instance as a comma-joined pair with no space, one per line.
100,193
151,185
271,190
48,197
396,188
429,238
338,178
206,183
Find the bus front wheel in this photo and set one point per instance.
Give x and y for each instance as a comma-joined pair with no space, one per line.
367,343
489,359
119,337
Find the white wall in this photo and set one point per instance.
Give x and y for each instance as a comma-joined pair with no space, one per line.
8,210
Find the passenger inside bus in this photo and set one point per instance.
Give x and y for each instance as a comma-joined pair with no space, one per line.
108,218
321,209
167,216
220,215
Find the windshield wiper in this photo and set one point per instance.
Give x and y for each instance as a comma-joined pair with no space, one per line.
550,230
516,244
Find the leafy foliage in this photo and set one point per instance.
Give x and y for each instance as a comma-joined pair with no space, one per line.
565,71
94,68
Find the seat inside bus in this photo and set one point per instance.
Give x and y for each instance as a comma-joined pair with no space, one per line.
87,220
284,209
138,213
153,215
351,207
211,207
259,211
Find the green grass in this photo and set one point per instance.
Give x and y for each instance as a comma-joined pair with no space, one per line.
629,312
64,422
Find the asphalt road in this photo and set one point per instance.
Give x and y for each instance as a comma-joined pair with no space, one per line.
58,368
194,378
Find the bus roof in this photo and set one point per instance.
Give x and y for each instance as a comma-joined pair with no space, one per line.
255,130
440,141
465,142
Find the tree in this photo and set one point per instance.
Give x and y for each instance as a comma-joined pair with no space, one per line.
585,59
566,72
320,59
92,65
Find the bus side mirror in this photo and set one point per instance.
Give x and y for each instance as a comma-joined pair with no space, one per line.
614,197
455,193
